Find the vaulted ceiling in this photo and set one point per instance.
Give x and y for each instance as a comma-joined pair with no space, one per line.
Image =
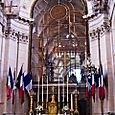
59,26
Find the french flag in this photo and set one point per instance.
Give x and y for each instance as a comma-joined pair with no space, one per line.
93,87
28,82
99,87
87,89
9,84
22,88
102,89
19,78
88,84
14,89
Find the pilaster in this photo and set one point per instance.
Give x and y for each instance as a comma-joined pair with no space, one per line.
106,48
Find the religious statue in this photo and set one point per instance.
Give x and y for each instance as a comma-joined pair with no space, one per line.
52,108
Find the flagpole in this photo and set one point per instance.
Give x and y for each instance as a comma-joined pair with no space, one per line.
17,56
100,65
17,53
14,90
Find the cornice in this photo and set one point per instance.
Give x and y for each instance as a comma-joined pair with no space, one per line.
102,29
16,35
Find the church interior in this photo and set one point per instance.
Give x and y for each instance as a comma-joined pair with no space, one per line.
57,57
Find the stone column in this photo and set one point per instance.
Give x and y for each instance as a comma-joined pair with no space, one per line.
5,69
110,73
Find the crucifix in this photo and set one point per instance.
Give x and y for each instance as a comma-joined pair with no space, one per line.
9,15
10,6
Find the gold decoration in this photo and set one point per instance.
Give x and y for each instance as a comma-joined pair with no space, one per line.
53,99
52,108
76,106
58,11
31,103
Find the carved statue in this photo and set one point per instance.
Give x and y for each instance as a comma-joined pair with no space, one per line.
52,108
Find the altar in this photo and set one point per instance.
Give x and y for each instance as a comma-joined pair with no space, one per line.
58,98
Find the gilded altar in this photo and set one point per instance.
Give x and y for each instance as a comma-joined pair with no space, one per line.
52,107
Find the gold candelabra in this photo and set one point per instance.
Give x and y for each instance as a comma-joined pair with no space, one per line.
31,103
76,105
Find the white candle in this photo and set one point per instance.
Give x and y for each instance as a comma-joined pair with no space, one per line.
42,91
47,88
58,91
63,89
71,101
38,90
67,89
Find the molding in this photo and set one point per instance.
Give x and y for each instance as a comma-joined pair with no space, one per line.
101,23
14,36
93,34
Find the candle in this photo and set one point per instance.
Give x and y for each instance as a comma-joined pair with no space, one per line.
58,91
47,88
63,90
38,90
71,101
67,89
42,91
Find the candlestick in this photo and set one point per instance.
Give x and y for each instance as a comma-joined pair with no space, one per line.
76,105
31,103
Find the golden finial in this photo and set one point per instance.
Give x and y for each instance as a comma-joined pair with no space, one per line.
53,99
